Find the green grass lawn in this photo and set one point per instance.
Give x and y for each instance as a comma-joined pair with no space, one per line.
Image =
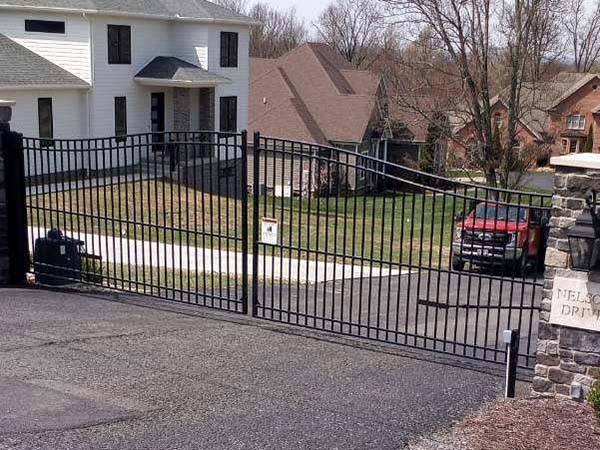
400,227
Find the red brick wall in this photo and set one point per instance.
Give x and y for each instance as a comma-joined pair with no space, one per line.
582,102
466,134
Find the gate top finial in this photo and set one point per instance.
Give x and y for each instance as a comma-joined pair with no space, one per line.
6,110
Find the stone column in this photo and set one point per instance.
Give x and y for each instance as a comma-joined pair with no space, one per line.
568,351
5,117
182,109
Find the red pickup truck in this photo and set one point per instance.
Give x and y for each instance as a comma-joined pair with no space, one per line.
492,234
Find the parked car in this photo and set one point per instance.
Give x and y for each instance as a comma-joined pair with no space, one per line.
497,235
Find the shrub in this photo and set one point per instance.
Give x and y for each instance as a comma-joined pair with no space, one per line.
594,398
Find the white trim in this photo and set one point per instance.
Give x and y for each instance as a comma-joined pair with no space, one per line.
42,87
580,160
249,22
5,103
175,83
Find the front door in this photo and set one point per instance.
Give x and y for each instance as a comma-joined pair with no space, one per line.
157,115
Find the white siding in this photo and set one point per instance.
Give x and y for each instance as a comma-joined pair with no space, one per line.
68,107
189,42
240,76
195,43
71,50
149,39
69,114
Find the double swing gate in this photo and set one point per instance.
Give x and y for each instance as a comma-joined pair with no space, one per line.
308,235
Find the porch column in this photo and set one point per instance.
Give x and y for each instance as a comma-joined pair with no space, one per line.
182,104
568,350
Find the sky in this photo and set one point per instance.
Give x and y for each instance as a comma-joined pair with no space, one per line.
308,9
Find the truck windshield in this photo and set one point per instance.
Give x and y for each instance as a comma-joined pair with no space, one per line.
500,212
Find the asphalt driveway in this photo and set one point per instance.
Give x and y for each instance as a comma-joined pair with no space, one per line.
82,371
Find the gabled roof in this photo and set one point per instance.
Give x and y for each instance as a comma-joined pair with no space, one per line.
201,10
23,69
171,71
312,94
539,100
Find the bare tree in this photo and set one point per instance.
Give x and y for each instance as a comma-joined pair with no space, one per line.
582,26
353,27
239,6
455,61
278,33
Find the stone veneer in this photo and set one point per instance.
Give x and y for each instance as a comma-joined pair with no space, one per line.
182,107
568,359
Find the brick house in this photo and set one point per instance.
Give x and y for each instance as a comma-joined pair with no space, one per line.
556,118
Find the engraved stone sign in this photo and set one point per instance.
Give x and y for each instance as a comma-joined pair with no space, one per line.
576,304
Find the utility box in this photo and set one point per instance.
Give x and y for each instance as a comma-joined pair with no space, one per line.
57,259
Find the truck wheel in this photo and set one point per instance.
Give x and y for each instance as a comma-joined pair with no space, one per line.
457,264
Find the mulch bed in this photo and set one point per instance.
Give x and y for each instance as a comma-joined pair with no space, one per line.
536,423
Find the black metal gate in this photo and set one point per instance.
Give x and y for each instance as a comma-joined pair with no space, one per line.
328,239
368,248
167,220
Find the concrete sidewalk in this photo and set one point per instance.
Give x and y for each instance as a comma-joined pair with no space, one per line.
195,259
89,372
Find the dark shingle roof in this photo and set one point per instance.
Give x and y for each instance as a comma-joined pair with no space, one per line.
22,68
168,68
173,9
312,94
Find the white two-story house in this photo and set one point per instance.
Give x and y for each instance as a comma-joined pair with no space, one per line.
102,68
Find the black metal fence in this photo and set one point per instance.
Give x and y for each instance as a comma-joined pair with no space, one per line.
373,249
160,214
326,238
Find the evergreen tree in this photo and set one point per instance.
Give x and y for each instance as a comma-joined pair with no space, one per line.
435,131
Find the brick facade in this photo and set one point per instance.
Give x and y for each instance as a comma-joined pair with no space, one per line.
568,359
465,136
585,102
544,119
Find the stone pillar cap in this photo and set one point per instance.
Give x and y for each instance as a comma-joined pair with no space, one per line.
580,160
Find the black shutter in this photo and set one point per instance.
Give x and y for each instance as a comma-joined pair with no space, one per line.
224,49
233,50
223,114
125,45
120,116
113,44
233,114
228,114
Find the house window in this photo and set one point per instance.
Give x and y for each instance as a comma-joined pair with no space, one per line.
228,114
565,146
229,49
574,146
44,26
517,146
576,122
45,121
120,118
119,44
498,120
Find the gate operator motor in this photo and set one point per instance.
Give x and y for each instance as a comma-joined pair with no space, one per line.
57,259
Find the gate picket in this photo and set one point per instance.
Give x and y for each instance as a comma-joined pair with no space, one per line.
352,244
